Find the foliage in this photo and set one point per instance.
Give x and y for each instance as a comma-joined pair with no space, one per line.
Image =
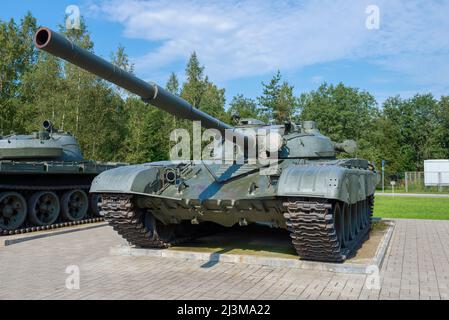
277,102
342,113
16,57
112,124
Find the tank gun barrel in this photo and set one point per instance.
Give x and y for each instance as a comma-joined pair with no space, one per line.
48,126
58,45
347,146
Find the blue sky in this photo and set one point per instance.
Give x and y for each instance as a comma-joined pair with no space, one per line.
243,43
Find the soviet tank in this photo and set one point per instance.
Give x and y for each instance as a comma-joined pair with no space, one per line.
326,203
44,182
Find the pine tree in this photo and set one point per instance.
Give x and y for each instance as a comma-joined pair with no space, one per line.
173,84
277,101
194,87
121,59
213,101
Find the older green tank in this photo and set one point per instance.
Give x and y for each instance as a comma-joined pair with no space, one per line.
44,181
326,203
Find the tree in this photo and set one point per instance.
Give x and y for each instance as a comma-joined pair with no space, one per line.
120,59
16,57
417,128
173,84
278,102
213,101
42,94
443,131
342,113
136,146
194,87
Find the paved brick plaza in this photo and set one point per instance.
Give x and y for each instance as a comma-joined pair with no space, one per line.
416,267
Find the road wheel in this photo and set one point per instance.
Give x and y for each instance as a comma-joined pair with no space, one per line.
75,204
43,208
13,210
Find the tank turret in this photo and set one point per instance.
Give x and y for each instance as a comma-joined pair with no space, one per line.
45,144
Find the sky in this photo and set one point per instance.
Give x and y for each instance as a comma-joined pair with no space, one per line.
386,47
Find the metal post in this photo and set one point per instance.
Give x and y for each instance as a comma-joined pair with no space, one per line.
406,183
383,176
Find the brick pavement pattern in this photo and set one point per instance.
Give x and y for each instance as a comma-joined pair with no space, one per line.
416,267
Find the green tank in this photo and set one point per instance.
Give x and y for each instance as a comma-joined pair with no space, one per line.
324,202
44,182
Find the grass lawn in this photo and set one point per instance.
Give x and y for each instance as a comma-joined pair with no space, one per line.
412,208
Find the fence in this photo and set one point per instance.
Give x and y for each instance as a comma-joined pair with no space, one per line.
416,182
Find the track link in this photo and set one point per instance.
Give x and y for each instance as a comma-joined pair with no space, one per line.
313,232
129,221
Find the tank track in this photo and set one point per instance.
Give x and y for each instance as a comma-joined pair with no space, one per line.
120,212
49,227
58,225
313,233
311,226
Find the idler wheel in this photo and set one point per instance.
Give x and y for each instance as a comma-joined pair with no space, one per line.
75,204
43,208
13,210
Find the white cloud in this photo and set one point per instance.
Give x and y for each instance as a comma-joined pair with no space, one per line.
237,39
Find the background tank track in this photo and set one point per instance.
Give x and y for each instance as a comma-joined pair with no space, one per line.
49,227
313,230
28,227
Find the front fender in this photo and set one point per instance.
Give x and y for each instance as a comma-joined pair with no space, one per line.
329,182
128,179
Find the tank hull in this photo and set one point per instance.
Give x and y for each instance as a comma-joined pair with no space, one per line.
301,196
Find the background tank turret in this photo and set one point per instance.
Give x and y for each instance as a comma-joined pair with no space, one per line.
44,181
324,202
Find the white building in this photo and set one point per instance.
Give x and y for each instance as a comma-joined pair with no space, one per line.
436,173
